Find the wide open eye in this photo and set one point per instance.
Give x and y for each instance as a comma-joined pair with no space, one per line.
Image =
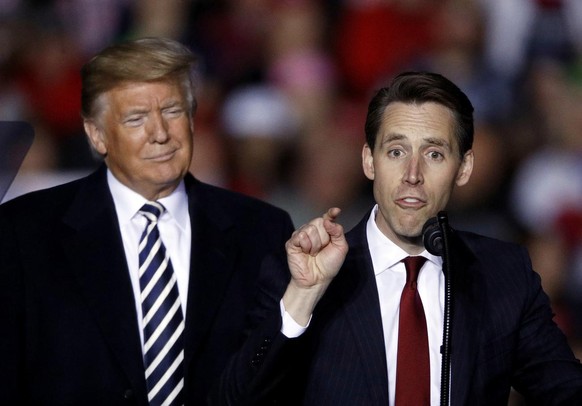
435,155
395,153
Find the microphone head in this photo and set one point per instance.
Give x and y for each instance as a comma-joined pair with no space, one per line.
432,237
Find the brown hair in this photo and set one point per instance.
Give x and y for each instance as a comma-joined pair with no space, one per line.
423,87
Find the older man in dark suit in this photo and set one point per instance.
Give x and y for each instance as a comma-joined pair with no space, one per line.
134,285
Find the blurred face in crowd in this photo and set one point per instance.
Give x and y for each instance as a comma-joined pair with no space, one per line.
144,130
414,166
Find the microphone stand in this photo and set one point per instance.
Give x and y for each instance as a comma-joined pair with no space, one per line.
435,235
447,318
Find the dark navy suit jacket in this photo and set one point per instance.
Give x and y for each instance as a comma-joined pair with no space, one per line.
68,326
502,334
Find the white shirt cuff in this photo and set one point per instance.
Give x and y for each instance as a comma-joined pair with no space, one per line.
290,328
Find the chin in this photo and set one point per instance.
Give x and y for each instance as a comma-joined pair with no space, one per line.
412,228
402,230
169,172
415,233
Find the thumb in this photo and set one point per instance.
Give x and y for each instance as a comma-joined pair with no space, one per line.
332,213
333,229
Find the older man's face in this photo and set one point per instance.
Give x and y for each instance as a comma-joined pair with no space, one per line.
145,130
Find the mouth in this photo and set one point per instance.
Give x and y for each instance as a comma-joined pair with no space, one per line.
163,156
410,202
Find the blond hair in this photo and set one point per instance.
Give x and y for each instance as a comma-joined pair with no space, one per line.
141,60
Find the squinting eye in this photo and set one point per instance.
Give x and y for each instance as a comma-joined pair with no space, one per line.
173,112
133,121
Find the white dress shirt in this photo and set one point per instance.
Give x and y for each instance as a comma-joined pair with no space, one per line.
390,279
175,231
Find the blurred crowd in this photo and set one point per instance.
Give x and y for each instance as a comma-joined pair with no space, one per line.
283,87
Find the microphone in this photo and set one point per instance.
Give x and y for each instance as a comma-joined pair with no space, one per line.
432,237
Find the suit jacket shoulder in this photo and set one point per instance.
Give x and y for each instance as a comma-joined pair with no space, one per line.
67,302
503,333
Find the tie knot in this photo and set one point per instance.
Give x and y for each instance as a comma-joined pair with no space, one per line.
152,211
413,265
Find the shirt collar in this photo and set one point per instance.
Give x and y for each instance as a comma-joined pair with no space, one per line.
128,202
385,253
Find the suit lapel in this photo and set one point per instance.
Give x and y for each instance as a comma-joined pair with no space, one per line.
357,290
466,320
358,293
95,251
214,246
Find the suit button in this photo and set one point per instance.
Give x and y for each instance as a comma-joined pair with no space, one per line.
128,394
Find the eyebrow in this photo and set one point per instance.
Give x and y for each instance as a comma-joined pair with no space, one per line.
132,111
143,110
392,137
429,140
171,103
438,142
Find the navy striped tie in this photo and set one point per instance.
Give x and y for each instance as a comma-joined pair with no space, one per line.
163,322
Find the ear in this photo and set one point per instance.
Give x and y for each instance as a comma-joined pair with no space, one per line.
368,162
96,137
466,168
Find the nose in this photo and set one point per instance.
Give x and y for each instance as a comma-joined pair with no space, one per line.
413,171
158,128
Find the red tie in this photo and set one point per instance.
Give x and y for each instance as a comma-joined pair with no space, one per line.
412,365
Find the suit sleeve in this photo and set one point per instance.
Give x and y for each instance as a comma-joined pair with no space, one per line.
253,374
11,315
546,371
